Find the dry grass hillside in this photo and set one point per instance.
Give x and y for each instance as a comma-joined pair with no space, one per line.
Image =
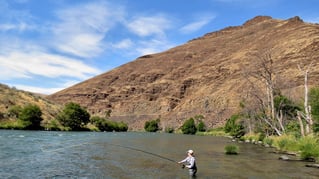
206,76
10,97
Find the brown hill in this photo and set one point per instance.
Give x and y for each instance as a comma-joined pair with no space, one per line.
10,97
204,76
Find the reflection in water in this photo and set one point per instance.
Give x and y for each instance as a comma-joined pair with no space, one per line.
30,154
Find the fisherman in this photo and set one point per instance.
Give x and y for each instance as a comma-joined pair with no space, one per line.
190,163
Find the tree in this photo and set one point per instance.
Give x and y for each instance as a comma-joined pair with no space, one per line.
307,108
201,126
105,125
264,72
14,111
74,116
31,115
189,126
234,127
314,103
152,126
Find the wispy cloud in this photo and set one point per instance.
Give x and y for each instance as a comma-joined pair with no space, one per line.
27,64
123,44
45,90
150,25
81,29
197,24
21,26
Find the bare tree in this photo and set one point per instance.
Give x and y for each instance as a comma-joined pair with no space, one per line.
263,71
307,114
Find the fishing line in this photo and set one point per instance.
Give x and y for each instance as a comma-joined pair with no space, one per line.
143,151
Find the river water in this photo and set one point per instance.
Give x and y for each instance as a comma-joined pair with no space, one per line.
40,154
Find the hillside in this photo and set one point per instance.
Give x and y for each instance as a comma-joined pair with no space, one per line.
204,76
10,97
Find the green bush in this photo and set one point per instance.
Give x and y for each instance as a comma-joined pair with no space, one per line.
282,144
189,127
14,124
201,126
14,111
152,126
233,127
106,125
231,149
286,142
169,130
309,148
31,116
268,141
74,116
53,125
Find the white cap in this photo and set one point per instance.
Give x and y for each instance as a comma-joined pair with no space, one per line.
190,151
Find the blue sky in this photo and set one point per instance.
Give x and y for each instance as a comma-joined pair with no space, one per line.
49,45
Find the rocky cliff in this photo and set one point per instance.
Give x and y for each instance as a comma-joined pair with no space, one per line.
204,76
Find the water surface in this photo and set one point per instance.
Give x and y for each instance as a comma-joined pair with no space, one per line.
40,154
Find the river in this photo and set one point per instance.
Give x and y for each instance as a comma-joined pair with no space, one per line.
42,154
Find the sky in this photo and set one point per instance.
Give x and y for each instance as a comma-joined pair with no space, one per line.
49,45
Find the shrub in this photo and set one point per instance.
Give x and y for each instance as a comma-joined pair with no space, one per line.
152,126
31,116
169,130
14,111
189,127
286,142
231,149
106,125
309,148
268,141
74,116
53,125
233,127
201,126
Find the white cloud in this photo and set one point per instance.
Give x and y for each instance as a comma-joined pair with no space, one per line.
194,26
24,59
24,64
44,90
149,25
197,24
81,29
18,27
123,44
39,90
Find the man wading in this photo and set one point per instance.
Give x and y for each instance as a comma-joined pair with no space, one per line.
190,163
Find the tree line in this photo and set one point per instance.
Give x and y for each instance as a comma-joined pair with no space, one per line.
72,118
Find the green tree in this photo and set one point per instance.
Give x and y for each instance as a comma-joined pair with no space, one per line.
189,126
287,107
152,125
14,111
201,126
74,116
314,103
31,116
234,127
105,125
122,127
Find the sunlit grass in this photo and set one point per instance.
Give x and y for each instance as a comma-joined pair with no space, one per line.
231,149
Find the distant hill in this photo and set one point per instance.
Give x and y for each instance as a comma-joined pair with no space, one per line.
12,97
205,76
